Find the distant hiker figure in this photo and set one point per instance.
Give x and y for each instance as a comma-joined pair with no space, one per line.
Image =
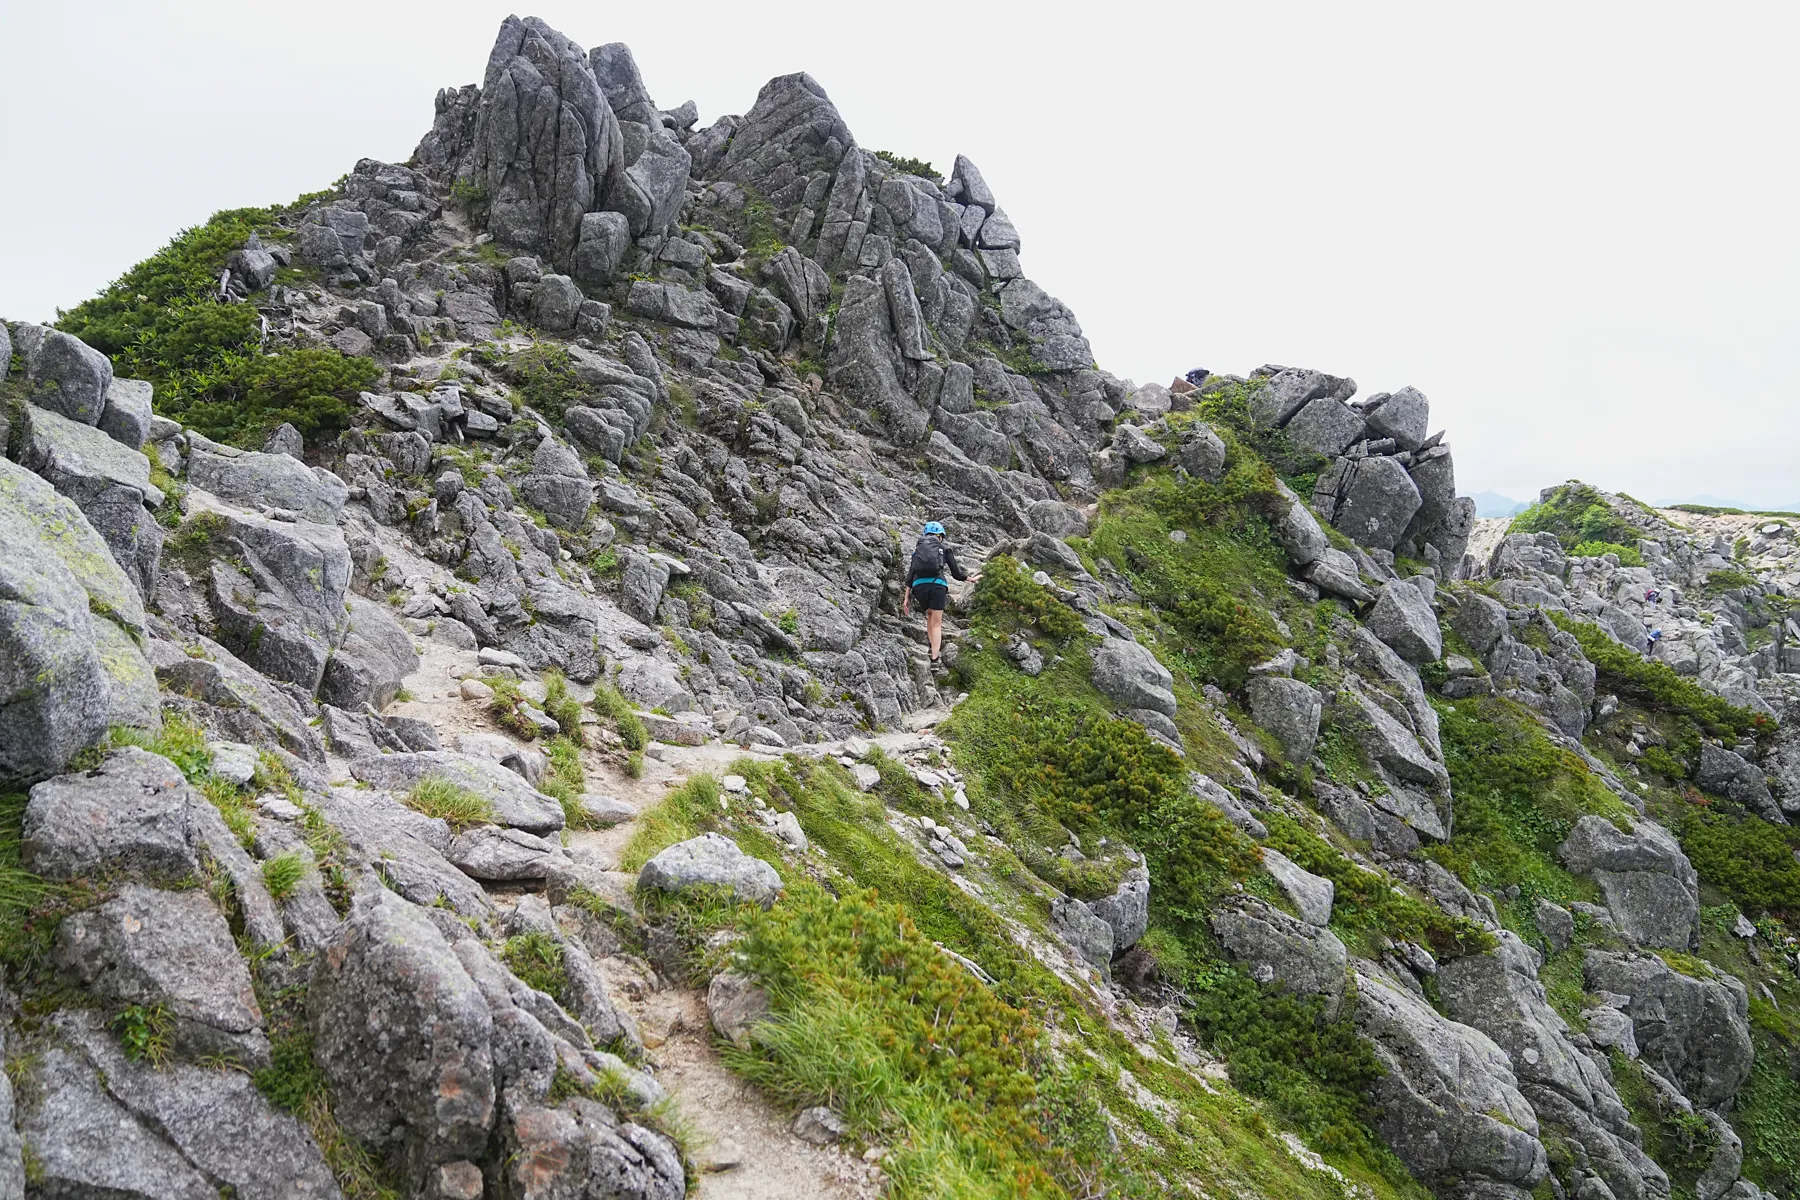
931,558
1655,637
1652,595
1197,376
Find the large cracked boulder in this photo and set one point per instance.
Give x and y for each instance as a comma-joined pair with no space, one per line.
278,596
1127,910
108,481
1298,957
711,860
377,654
1290,710
1373,500
1130,675
70,621
265,481
1650,887
511,800
63,373
403,1036
1402,618
1450,1103
150,947
1695,1032
1574,1098
101,1124
133,814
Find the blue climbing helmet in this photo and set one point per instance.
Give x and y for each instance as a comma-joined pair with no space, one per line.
934,527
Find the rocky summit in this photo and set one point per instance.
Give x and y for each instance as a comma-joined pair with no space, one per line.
461,735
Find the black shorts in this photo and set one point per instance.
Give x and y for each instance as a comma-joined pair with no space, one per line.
931,596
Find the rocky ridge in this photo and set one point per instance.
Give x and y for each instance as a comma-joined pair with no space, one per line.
381,777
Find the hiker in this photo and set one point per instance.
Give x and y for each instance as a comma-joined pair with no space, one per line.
1655,637
1197,376
1652,596
925,578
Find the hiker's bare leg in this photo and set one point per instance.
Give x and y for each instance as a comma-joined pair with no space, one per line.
934,629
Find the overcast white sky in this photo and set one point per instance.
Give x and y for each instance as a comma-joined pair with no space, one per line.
1572,225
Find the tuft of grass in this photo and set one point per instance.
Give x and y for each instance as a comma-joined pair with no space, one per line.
563,708
283,873
688,811
436,796
566,781
612,706
294,1083
146,1032
537,959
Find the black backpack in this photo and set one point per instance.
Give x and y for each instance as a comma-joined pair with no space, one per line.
927,560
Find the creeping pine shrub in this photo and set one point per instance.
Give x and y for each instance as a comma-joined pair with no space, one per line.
436,796
1365,902
910,166
1628,555
869,1017
1745,857
1006,599
1069,760
1217,586
1315,1073
545,376
1624,671
1576,513
159,322
1728,580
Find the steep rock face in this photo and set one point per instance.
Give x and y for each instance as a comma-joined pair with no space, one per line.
1571,1092
1452,1105
544,146
70,665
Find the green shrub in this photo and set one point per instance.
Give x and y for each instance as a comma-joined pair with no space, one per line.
1576,513
159,321
871,1018
1006,599
436,796
544,373
1367,903
1728,580
1315,1073
1746,857
910,166
1214,589
1624,671
1063,759
1518,795
1628,555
